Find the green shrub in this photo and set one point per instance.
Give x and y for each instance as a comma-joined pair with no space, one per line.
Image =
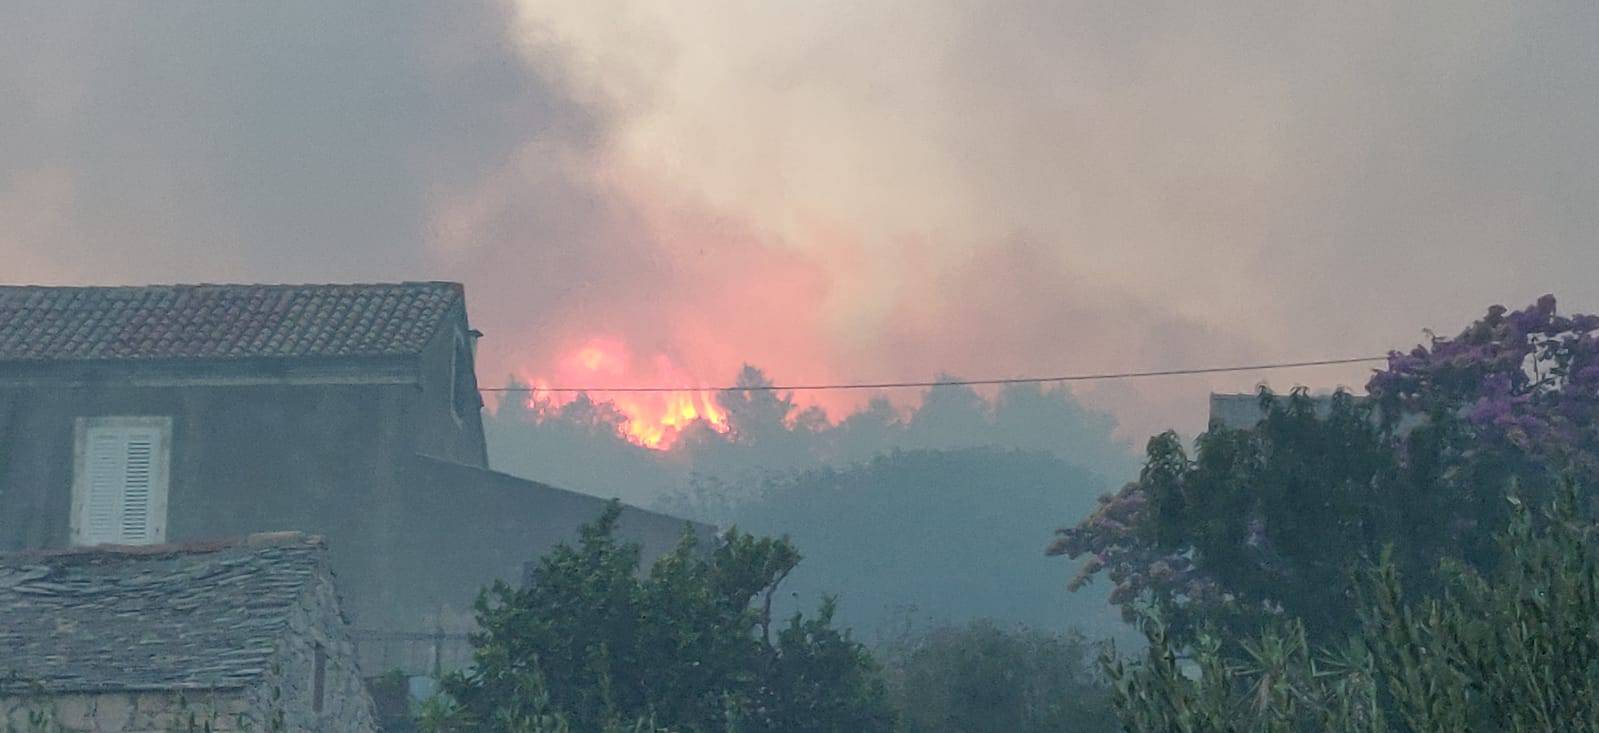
1511,650
591,644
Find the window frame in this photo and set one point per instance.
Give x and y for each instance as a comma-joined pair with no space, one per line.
160,472
319,677
463,366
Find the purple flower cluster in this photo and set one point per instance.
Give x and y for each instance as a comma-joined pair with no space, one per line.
1527,380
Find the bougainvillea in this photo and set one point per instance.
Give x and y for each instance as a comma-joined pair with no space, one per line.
1267,522
1526,381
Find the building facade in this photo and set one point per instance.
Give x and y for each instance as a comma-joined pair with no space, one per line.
143,415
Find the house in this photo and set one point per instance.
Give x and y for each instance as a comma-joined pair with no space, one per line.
1243,411
144,415
1239,411
236,636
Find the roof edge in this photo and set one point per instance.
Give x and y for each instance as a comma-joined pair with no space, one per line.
572,493
451,284
24,687
197,547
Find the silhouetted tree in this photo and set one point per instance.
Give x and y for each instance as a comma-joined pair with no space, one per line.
691,646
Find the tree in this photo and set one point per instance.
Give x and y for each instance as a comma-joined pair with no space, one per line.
1266,523
1513,650
1257,524
591,643
755,412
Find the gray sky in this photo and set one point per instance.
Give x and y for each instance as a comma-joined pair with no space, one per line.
831,190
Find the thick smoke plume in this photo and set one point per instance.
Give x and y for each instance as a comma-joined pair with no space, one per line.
830,190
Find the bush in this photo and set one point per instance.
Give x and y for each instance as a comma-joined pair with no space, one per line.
981,678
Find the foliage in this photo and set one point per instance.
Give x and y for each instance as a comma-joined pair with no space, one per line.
1257,524
1513,651
1524,382
690,646
982,678
533,714
1263,524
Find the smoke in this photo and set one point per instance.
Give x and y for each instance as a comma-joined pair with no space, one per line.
831,190
1024,187
299,141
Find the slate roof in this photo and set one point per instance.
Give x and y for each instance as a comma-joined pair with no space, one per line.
151,618
162,322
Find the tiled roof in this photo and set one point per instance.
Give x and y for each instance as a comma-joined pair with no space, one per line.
152,618
161,322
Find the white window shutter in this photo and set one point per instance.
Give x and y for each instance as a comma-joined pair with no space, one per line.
138,486
107,460
121,490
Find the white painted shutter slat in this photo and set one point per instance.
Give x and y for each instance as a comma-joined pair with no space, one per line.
138,477
107,460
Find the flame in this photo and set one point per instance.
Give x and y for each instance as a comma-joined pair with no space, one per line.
652,419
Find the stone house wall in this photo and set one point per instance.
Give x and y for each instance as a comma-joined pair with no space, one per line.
285,700
226,711
299,672
289,696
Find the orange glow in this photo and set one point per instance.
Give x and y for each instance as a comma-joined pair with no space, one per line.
591,358
653,419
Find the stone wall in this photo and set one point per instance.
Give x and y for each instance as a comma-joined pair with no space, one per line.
283,702
130,712
316,637
311,682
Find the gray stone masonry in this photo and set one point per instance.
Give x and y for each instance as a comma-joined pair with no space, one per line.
237,636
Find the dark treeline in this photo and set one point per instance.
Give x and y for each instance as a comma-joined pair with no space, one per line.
580,444
937,515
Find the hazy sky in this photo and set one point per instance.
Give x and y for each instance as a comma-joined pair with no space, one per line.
829,189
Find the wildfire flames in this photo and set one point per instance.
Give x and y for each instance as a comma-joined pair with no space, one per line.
653,419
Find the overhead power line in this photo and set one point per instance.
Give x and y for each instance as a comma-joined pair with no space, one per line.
962,382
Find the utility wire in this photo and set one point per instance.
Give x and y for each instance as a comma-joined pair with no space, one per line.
958,382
